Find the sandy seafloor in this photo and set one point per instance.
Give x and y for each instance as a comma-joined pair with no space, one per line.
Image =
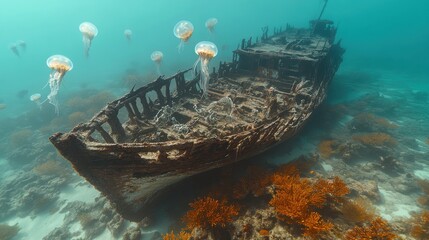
54,202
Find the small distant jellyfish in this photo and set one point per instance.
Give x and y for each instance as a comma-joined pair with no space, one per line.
14,48
128,33
59,66
183,30
206,51
157,59
36,99
210,24
22,44
89,31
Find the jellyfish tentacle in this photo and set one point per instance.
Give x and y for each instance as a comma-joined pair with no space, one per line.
194,72
205,75
86,45
158,69
181,46
54,85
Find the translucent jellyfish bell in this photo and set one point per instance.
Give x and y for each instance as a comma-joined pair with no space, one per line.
22,44
206,51
183,30
59,66
211,23
156,57
89,31
36,98
128,33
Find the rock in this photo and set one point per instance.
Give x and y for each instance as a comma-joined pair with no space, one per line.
145,222
366,188
133,233
404,184
279,233
58,234
115,225
248,225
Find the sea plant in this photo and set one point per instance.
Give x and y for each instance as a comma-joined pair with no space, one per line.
367,122
297,200
420,226
21,137
326,148
209,213
182,235
357,210
376,139
424,186
377,229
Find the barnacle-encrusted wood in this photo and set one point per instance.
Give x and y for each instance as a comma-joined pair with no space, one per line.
166,131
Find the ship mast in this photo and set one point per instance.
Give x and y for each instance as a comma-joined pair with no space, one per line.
320,16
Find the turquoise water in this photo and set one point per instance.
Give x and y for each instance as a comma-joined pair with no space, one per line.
385,40
387,34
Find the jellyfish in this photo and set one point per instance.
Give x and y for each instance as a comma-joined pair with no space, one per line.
183,30
36,98
59,66
22,44
157,59
89,31
14,49
206,51
210,24
128,34
2,106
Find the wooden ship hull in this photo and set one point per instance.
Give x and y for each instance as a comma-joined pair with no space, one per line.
161,133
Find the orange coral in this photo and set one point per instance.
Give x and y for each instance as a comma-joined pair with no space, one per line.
314,224
335,189
264,232
420,226
358,210
50,167
378,229
181,236
376,139
424,185
209,213
326,148
21,137
289,169
368,121
295,199
293,196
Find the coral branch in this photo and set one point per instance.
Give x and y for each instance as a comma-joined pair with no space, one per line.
208,213
181,236
378,229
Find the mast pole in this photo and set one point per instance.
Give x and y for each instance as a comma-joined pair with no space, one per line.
320,16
